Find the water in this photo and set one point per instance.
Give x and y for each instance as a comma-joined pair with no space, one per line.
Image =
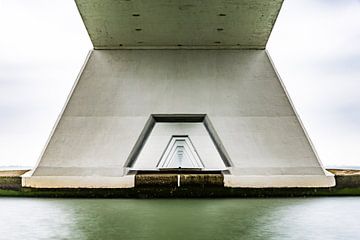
296,218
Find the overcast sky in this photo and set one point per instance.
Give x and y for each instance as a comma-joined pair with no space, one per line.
315,45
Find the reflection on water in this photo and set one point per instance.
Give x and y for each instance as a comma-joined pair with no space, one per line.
311,218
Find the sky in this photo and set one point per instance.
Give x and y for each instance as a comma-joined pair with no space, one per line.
314,45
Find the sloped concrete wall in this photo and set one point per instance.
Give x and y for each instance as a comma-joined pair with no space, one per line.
238,90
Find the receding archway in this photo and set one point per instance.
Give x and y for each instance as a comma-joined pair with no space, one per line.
177,118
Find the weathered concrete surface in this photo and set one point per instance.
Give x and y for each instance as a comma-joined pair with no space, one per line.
346,178
344,172
11,179
195,185
162,180
238,90
170,23
204,180
181,192
10,182
13,173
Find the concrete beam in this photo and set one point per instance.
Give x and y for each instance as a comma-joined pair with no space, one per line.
242,24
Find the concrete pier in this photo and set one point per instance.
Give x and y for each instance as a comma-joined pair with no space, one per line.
178,84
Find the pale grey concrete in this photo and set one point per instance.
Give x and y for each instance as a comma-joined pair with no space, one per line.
169,23
160,136
238,90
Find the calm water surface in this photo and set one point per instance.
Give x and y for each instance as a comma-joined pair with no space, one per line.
310,218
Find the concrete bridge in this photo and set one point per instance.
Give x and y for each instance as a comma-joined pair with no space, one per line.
178,86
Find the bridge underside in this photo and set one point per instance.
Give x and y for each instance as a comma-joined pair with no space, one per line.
127,105
241,24
178,86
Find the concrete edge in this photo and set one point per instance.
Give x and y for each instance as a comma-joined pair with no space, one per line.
279,181
78,182
307,136
61,112
230,181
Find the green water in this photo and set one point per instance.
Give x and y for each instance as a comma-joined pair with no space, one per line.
310,218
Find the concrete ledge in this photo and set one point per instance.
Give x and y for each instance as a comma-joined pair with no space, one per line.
181,179
346,178
163,180
10,182
11,179
345,181
193,180
13,173
78,182
279,181
192,186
